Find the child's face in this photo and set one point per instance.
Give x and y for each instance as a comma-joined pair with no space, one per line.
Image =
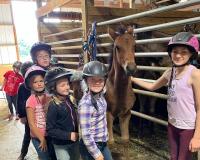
16,70
43,58
180,55
37,83
95,84
63,87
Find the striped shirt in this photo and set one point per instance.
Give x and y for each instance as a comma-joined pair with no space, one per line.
93,124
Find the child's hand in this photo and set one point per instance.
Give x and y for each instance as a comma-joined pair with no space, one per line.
43,145
74,136
194,145
100,157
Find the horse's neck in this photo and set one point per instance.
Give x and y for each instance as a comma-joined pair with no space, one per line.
118,76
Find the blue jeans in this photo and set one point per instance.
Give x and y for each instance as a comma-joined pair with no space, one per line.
12,101
41,154
87,156
67,152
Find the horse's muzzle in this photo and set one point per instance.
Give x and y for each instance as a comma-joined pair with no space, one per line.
130,69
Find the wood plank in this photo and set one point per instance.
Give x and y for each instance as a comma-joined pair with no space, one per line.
120,12
5,2
50,6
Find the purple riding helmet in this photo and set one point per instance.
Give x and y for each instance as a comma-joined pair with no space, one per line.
32,71
186,39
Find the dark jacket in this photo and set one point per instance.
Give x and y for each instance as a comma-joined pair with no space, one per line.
61,121
22,95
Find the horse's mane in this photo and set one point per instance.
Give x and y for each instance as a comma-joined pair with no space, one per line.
120,31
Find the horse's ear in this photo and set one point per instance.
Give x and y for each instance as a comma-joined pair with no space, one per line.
112,33
130,30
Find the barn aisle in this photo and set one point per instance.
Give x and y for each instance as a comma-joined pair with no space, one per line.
11,134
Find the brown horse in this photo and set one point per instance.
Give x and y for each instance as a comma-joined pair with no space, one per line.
120,96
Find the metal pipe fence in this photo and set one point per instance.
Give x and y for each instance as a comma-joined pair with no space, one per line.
151,12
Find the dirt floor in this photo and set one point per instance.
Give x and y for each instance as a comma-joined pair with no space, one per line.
151,147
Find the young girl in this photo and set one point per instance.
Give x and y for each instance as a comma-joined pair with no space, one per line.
62,125
12,80
35,109
183,102
92,114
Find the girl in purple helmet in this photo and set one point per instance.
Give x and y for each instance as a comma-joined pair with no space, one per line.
35,109
183,101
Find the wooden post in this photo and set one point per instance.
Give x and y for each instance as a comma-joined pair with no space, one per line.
14,34
39,4
121,3
84,5
130,4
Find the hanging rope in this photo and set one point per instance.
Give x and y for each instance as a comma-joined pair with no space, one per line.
89,46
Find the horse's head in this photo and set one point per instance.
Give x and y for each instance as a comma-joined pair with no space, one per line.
124,49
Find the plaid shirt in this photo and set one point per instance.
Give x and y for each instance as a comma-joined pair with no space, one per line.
93,124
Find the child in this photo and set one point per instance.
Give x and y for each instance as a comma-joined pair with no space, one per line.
22,96
62,125
41,55
12,80
35,109
183,103
92,114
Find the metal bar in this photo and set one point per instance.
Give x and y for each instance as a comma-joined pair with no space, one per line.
150,118
66,41
169,24
68,47
160,26
66,55
64,32
143,41
151,12
157,40
148,93
68,62
151,68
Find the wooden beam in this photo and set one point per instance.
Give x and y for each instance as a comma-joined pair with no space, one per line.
5,2
50,6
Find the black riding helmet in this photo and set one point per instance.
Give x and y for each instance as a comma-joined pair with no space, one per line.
53,75
94,68
38,47
25,66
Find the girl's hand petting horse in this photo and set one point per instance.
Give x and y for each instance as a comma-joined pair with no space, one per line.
74,136
100,157
43,145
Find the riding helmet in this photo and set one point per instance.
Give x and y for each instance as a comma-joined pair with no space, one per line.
186,39
38,47
53,75
25,66
94,68
32,71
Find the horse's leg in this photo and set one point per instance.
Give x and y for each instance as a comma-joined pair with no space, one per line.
124,125
110,120
152,112
142,102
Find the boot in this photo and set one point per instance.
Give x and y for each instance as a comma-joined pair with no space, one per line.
21,157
